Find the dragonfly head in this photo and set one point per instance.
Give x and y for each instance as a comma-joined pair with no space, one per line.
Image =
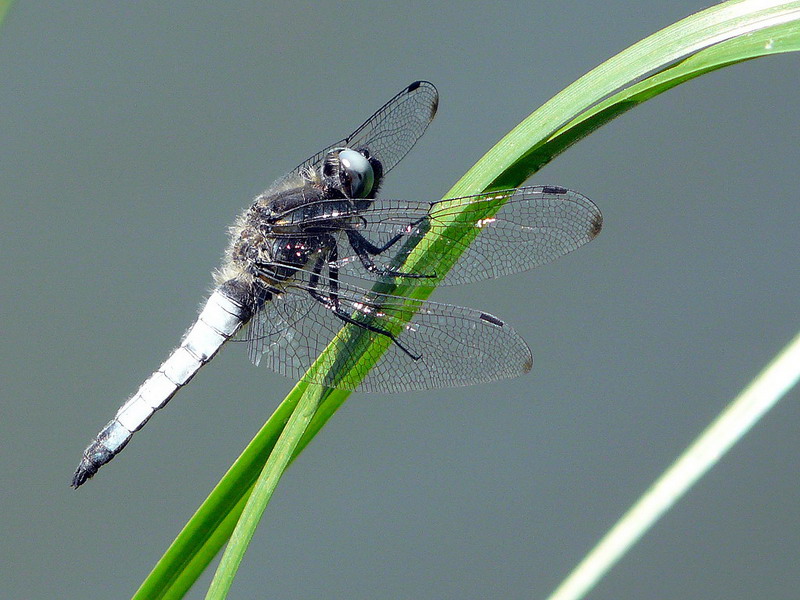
354,172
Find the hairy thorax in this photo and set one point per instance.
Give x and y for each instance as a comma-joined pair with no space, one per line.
268,243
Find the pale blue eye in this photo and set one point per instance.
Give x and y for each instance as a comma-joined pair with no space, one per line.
359,172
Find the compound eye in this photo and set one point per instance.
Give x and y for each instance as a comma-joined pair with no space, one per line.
356,173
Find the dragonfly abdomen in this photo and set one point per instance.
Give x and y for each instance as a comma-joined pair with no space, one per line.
221,317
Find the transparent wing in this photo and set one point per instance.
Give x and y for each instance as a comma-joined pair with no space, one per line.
441,346
535,226
392,131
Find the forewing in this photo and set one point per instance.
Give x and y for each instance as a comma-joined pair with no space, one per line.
441,345
392,131
534,226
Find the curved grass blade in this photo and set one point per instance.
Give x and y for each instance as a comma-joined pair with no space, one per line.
744,411
4,6
640,72
259,498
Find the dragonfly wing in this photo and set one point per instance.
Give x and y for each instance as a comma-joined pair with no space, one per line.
421,345
497,233
392,131
533,227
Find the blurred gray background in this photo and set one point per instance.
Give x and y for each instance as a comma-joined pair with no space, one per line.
132,134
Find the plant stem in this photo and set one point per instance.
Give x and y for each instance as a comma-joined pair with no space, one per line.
262,492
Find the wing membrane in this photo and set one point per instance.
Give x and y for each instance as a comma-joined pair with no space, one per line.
451,345
534,226
392,131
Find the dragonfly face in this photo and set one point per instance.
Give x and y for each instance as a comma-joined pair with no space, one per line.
296,275
351,173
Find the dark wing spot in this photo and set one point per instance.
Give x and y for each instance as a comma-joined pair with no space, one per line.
418,84
435,107
597,225
553,189
492,319
528,364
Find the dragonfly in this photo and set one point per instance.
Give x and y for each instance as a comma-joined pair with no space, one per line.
316,259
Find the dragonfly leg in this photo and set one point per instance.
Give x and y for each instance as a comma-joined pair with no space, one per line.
331,300
365,250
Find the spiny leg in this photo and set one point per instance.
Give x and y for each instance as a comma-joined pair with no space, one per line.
365,249
331,301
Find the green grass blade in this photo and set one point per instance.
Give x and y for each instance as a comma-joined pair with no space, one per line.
262,492
777,39
769,386
211,526
4,6
719,36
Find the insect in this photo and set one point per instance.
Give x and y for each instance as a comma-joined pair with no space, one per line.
290,284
